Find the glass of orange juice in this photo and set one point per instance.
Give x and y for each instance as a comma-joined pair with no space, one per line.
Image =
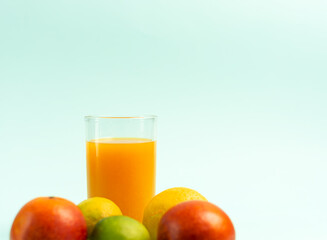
121,160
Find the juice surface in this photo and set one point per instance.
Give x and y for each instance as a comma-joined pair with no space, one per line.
122,170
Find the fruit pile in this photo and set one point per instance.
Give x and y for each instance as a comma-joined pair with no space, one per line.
174,214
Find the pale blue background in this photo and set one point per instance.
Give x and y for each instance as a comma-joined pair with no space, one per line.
239,87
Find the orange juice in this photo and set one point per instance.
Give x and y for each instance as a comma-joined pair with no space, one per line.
122,170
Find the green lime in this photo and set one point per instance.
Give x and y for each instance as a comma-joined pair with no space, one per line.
119,228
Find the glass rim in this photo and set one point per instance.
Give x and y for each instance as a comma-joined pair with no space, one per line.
142,116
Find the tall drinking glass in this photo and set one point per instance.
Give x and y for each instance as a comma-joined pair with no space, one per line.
121,160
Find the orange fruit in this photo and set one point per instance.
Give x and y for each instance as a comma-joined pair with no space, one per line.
196,220
50,218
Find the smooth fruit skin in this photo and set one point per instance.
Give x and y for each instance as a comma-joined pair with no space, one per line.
196,220
49,218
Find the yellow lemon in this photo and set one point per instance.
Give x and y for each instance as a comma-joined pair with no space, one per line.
165,200
96,208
